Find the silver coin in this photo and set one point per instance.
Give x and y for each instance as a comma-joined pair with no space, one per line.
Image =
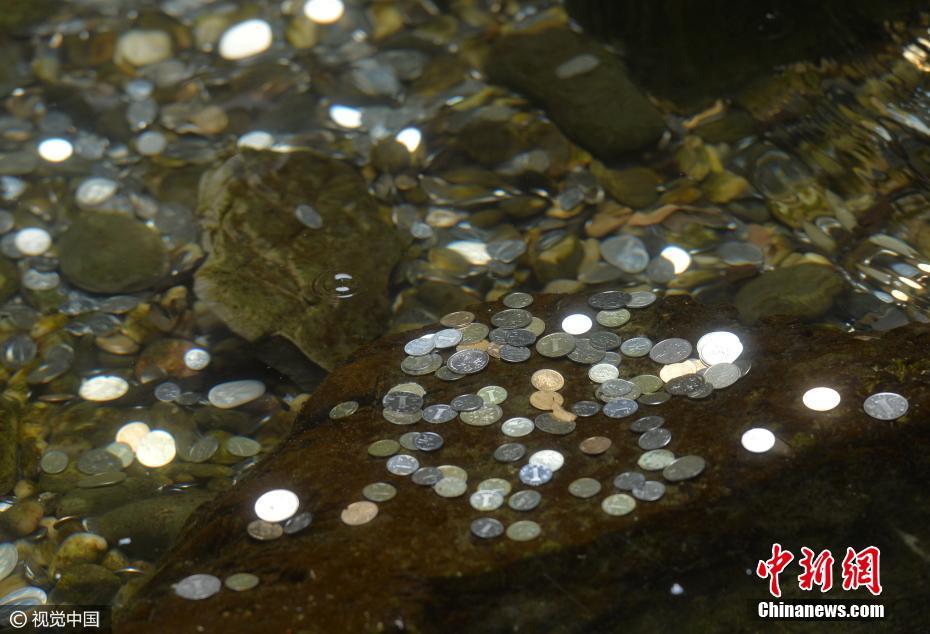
101,480
520,337
264,531
517,300
613,318
722,375
524,500
398,418
402,464
487,528
167,392
655,460
297,523
646,423
343,410
618,504
649,491
402,402
492,394
242,446
203,449
512,318
509,452
556,344
197,587
620,408
613,358
585,408
241,581
450,487
445,374
656,398
514,354
608,300
376,492
422,345
885,406
585,353
517,427
54,461
548,458
655,439
702,392
549,424
428,441
468,361
427,476
439,413
487,415
467,403
584,487
641,299
616,388
684,468
674,350
629,480
9,557
683,385
447,338
96,461
523,531
604,340
626,252
535,474
473,333
636,347
486,500
422,365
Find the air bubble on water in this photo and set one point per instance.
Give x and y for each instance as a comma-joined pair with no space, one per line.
335,285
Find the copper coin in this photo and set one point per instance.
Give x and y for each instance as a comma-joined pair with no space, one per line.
595,445
547,380
359,513
546,400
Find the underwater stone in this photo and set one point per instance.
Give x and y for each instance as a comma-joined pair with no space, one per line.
85,584
806,291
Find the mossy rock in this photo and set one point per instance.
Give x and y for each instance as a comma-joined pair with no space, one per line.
9,279
806,291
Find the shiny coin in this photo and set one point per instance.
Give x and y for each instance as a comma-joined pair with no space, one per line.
167,392
242,447
264,531
197,587
549,458
595,445
524,500
719,347
492,394
511,318
450,487
343,410
523,531
517,300
428,441
641,299
495,484
196,359
608,300
514,354
577,324
447,338
672,350
422,365
487,500
383,448
626,252
487,528
427,476
636,347
584,487
618,504
298,523
655,439
422,345
359,513
378,492
487,415
452,471
649,491
96,461
402,402
557,344
276,505
620,408
721,375
457,319
821,399
509,452
684,468
517,427
439,413
885,406
467,403
103,388
585,408
758,440
655,460
235,393
646,423
241,581
547,380
535,474
603,372
629,480
53,461
551,425
101,480
9,557
613,318
402,464
546,400
468,361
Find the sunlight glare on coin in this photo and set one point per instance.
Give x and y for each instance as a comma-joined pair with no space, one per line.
758,440
821,399
277,505
577,324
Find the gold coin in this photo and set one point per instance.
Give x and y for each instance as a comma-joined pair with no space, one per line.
457,319
546,400
595,445
547,380
359,513
562,414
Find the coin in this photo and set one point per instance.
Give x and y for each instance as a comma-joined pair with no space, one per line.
445,374
487,415
54,461
343,410
517,427
595,445
422,365
514,354
672,350
646,423
655,438
885,406
758,440
235,393
547,380
647,382
427,476
604,340
549,458
242,446
546,400
276,505
450,487
241,581
629,480
626,252
9,557
428,441
487,528
656,398
518,337
197,587
517,300
509,452
473,333
298,522
492,394
376,492
468,361
613,318
535,474
618,504
264,531
721,375
641,299
96,461
821,399
495,484
620,408
383,448
457,319
584,352
103,388
523,531
684,468
402,464
512,318
608,300
422,345
552,425
203,449
584,487
402,402
486,500
603,372
438,413
557,344
585,408
655,460
447,338
101,480
719,347
649,491
524,500
683,385
451,471
359,513
577,324
467,403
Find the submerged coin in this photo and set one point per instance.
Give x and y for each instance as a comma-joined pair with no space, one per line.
524,500
426,476
546,400
402,402
535,474
722,375
487,415
885,406
656,398
447,338
422,345
603,372
584,487
584,352
686,385
618,504
552,425
523,531
517,427
235,393
468,361
402,464
549,458
557,344
511,318
298,523
96,461
487,528
514,354
495,484
241,581
457,319
359,513
343,410
646,423
655,438
197,587
509,452
242,446
517,300
619,408
684,468
649,491
450,487
101,480
547,380
672,350
492,394
629,480
641,299
636,347
604,340
719,347
486,500
467,403
264,531
428,441
438,413
613,318
595,445
376,492
608,300
383,448
54,461
655,460
585,408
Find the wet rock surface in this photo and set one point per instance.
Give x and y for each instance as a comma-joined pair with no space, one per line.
806,291
834,479
269,274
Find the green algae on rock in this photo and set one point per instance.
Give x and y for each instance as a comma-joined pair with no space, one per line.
806,291
268,274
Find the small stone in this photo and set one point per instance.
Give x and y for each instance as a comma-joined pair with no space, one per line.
805,291
143,47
